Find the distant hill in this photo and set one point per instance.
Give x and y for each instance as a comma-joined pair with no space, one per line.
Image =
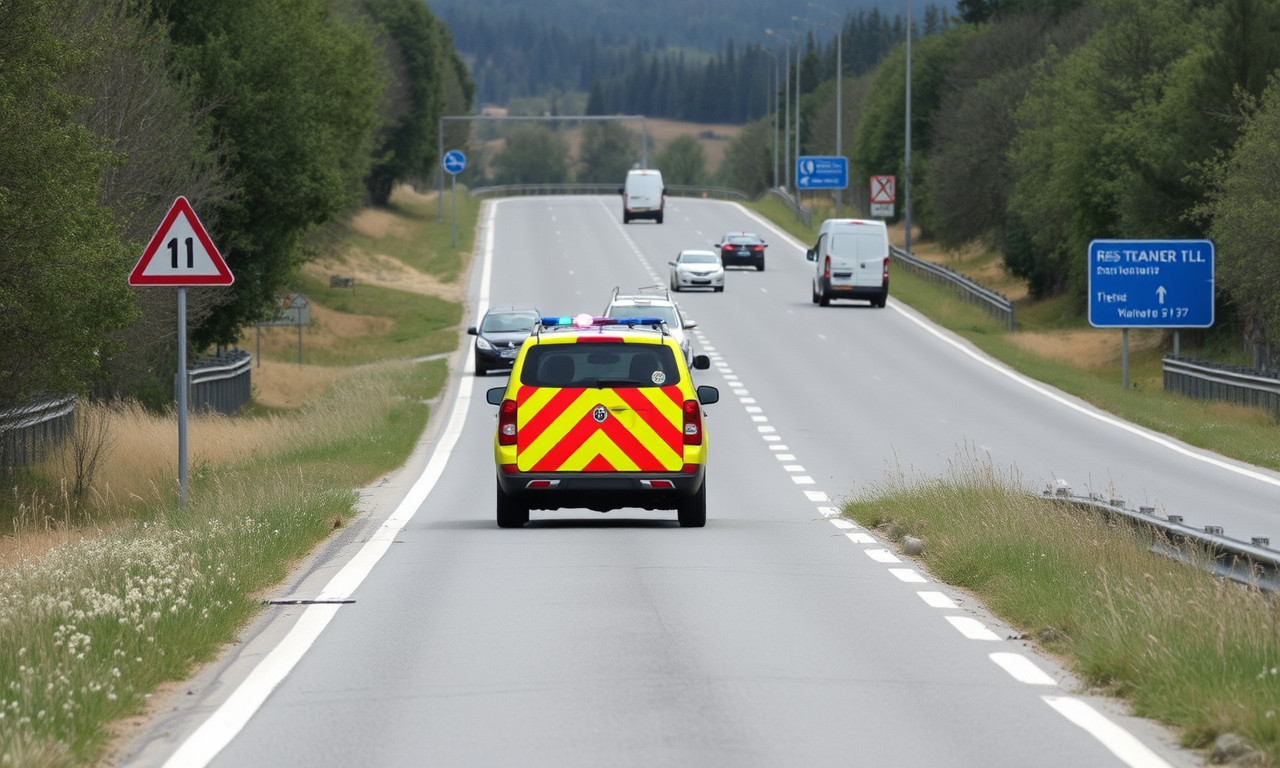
703,25
650,56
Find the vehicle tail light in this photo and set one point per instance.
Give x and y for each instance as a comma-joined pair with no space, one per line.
507,422
692,422
826,268
886,269
757,247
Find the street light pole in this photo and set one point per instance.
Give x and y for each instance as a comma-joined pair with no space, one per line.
839,90
906,170
774,56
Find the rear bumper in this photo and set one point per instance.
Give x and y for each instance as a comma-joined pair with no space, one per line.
602,491
838,290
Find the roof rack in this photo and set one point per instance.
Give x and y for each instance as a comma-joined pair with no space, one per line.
646,290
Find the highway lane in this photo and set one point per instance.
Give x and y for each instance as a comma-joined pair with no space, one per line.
772,637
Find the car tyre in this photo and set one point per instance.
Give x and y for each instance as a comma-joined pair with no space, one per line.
626,219
512,513
719,289
659,218
480,369
760,266
692,512
823,299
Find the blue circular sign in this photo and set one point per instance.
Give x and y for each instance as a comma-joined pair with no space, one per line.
454,161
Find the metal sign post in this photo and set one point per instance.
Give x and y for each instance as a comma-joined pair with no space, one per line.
454,163
192,260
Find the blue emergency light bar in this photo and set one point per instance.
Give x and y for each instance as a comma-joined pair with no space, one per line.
588,321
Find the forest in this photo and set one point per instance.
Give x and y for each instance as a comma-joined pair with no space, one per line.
1036,127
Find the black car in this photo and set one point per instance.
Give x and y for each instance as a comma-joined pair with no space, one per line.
499,336
742,248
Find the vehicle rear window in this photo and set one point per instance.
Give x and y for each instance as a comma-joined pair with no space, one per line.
600,365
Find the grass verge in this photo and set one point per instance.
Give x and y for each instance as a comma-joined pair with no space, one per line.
107,594
1178,644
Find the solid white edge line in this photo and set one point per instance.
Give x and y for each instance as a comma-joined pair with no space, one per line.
229,719
1122,744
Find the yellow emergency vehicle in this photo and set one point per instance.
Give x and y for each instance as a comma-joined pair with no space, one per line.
601,413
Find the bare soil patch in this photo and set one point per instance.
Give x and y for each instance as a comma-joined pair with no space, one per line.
1088,347
384,271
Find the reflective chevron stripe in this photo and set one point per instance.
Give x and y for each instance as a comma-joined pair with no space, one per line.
620,429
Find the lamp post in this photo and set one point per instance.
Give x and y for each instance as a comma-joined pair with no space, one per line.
787,162
839,90
774,56
906,162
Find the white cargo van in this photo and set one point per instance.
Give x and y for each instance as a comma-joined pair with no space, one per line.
851,261
643,196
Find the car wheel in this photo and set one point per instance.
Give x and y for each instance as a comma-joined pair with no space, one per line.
760,266
512,513
480,369
813,291
626,219
692,512
881,299
674,286
824,300
659,218
719,289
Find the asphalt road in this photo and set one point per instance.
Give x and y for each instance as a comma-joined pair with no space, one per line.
776,636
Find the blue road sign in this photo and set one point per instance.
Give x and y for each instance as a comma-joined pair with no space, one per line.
814,172
454,161
1151,283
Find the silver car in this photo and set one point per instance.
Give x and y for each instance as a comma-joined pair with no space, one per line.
654,301
697,269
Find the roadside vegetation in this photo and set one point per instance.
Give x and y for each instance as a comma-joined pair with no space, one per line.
1180,645
109,593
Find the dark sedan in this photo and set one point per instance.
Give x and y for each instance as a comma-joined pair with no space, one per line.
742,248
499,336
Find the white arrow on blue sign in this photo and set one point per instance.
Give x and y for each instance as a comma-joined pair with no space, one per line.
454,161
1151,283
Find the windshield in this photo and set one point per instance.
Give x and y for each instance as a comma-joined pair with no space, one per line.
666,313
619,364
508,322
699,258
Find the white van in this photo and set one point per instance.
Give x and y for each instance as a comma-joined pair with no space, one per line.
643,196
851,261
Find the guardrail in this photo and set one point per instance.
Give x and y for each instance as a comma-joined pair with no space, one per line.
27,433
995,304
802,214
1218,381
221,383
673,190
1254,563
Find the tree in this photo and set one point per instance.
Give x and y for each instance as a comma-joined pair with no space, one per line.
608,150
427,78
969,171
748,160
62,264
1245,229
682,161
533,155
294,86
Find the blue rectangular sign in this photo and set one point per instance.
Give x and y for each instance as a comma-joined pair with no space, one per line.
1151,283
814,172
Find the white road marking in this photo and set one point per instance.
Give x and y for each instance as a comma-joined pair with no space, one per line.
972,628
1022,669
1121,743
937,599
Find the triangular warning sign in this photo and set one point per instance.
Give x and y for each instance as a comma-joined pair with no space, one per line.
180,253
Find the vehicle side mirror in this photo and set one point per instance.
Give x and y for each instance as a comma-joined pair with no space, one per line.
809,255
690,324
701,362
708,394
494,396
672,263
472,331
